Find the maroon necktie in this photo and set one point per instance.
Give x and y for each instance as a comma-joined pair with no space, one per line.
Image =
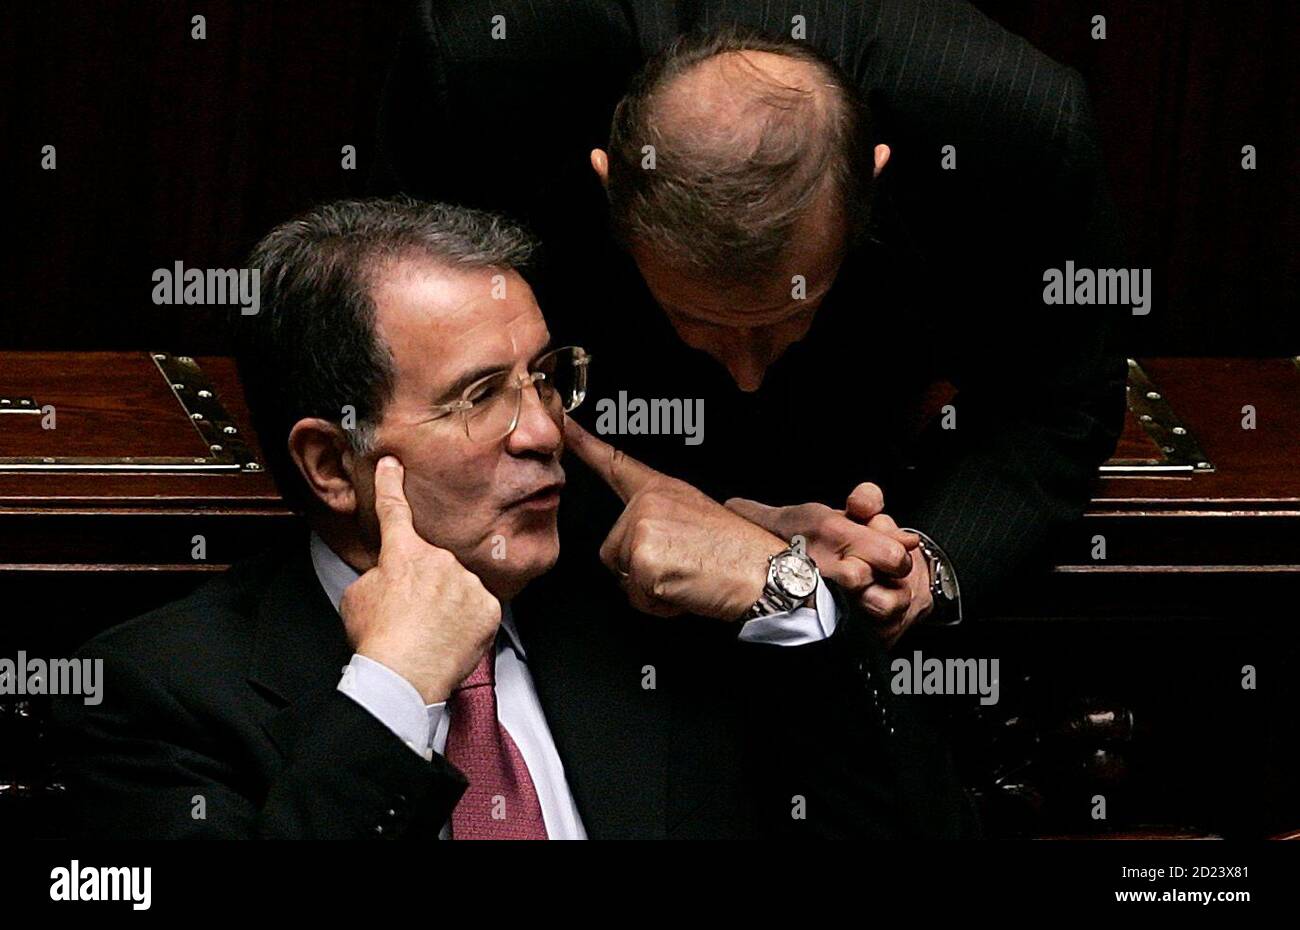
500,802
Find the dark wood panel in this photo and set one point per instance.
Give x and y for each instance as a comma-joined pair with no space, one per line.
104,405
117,403
1256,470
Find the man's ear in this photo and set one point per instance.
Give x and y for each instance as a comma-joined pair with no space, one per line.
325,460
882,159
600,164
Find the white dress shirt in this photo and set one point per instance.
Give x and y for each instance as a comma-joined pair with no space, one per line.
398,705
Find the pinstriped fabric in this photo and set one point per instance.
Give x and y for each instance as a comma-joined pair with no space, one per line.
917,53
910,40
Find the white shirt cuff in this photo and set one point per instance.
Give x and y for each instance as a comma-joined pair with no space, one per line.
394,702
795,627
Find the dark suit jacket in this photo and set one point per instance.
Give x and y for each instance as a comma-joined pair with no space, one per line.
231,695
949,289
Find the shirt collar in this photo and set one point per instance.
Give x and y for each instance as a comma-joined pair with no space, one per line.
335,575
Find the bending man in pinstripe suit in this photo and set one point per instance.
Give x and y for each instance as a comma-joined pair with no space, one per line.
803,218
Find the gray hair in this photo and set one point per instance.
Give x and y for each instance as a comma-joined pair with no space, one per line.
724,203
313,349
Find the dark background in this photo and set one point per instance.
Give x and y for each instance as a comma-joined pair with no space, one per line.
174,149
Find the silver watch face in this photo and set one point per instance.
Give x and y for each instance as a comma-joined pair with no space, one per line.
946,585
794,574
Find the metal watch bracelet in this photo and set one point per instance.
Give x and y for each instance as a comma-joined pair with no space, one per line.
772,600
944,588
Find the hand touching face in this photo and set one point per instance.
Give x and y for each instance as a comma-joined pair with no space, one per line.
675,549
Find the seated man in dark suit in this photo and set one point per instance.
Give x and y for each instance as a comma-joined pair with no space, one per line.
388,675
816,213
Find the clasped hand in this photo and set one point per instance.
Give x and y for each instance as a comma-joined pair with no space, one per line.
676,550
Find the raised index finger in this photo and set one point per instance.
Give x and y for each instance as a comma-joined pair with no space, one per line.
621,472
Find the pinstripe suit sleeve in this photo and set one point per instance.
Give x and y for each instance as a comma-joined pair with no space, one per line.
1040,399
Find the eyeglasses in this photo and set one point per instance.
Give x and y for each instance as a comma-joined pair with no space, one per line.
490,406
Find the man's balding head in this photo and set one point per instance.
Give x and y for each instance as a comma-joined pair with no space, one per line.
737,165
749,135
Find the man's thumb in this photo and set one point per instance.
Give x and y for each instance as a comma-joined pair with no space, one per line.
391,507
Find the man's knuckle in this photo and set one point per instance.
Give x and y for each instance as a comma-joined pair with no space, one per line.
642,561
896,554
827,524
854,534
803,513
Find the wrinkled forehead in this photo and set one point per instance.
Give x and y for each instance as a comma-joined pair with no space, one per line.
440,323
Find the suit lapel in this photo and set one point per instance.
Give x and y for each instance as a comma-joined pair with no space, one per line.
611,732
300,648
583,654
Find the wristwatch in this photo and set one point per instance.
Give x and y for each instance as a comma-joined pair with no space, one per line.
792,578
943,581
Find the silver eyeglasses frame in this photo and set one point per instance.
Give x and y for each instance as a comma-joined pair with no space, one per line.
581,359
